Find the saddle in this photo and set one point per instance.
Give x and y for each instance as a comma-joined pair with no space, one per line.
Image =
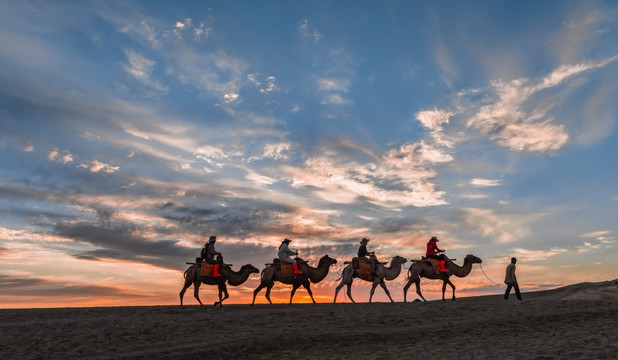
435,263
365,271
286,268
207,268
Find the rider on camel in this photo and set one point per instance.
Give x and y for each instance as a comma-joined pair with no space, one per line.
208,254
363,253
434,252
284,255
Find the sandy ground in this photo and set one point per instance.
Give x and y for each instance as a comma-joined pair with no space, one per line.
575,322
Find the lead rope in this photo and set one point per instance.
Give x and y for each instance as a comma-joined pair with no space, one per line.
487,276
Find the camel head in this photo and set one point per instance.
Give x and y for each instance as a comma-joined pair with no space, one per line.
472,259
399,260
326,260
250,268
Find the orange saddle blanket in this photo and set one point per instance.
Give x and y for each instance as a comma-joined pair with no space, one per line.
207,269
364,269
436,265
287,269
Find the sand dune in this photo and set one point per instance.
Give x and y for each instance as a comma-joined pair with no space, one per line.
604,290
573,322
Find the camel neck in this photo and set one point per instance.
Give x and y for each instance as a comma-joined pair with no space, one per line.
392,271
462,271
318,274
237,278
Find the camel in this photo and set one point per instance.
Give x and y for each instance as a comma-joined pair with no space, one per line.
382,273
270,274
423,269
192,276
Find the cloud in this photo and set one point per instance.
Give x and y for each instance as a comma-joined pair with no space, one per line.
596,234
51,156
270,85
517,117
332,90
37,286
278,151
230,98
335,99
398,178
67,157
582,31
141,69
484,182
97,166
500,228
28,147
473,196
307,31
340,85
537,255
433,119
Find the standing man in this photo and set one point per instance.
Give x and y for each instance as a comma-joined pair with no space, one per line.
511,280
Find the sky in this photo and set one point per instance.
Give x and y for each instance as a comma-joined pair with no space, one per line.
131,131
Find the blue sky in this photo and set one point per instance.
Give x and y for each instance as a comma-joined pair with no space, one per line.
130,131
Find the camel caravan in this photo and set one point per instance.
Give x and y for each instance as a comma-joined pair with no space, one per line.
210,269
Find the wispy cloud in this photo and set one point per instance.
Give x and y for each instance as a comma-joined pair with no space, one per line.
308,31
537,255
97,166
517,117
398,178
28,147
141,69
484,182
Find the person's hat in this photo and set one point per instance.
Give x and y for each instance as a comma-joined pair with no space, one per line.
212,239
364,241
433,238
287,240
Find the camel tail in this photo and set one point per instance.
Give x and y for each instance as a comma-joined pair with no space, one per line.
185,274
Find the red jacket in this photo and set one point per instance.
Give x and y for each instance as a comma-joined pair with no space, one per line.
432,248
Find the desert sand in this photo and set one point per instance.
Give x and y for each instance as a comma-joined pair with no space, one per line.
573,322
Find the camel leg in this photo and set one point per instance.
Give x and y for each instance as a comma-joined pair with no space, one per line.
405,290
294,287
453,286
349,292
222,290
443,288
336,291
417,282
196,291
373,289
344,281
182,292
383,285
256,291
268,288
307,286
